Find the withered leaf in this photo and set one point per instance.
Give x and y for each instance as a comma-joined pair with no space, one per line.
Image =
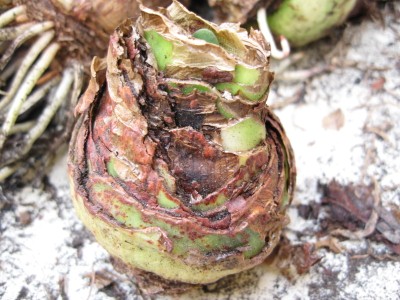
351,206
335,120
295,260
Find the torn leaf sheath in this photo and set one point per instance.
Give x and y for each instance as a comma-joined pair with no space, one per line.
170,176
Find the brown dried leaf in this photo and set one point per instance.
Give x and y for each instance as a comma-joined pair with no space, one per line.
296,260
97,74
357,211
335,120
349,206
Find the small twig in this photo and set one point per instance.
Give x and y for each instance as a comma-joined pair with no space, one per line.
287,101
264,28
369,156
329,242
393,94
92,281
301,75
371,253
360,256
11,14
289,61
48,76
379,133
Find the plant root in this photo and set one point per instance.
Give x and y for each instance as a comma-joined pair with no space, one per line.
28,34
264,28
50,110
27,62
25,89
37,97
11,14
8,171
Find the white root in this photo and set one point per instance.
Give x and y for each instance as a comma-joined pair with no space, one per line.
22,127
10,70
23,92
11,14
26,87
264,28
39,94
27,62
8,171
49,112
10,33
31,32
78,83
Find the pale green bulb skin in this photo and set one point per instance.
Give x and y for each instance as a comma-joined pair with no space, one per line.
305,21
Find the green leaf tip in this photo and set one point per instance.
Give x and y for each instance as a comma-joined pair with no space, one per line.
161,48
206,35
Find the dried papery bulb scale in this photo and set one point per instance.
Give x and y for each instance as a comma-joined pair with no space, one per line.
177,165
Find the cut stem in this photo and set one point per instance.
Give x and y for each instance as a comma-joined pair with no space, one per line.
26,87
29,59
264,28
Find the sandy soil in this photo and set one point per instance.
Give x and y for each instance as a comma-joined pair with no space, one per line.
343,124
